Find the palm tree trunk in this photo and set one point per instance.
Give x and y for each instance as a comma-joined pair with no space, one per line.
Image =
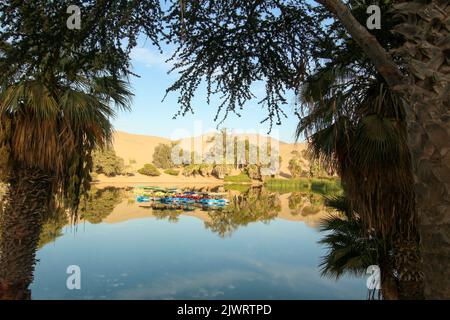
409,267
389,285
425,28
430,145
426,31
21,213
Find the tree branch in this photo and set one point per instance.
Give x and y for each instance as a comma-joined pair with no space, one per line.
380,57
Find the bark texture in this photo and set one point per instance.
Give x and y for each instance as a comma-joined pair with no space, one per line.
426,28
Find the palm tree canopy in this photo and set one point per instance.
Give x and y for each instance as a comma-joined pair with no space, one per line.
53,121
356,125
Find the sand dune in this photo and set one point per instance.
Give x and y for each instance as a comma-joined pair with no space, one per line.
137,150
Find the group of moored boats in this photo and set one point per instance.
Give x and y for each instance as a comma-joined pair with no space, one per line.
174,199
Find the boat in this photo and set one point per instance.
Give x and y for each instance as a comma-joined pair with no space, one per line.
142,199
172,198
218,201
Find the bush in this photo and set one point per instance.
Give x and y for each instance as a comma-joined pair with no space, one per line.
191,170
242,178
162,156
220,171
107,162
295,168
149,170
205,170
253,172
172,172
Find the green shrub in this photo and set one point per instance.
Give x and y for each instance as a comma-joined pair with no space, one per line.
191,170
107,162
149,170
162,156
220,171
205,170
172,172
241,178
295,168
253,171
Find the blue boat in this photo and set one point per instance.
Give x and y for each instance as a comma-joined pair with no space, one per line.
213,201
142,199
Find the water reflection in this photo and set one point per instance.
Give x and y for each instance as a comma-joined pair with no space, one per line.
254,205
306,203
108,206
100,203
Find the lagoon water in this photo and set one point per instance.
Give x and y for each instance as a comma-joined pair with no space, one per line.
130,252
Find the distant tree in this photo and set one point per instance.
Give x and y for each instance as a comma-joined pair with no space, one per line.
149,170
191,170
107,162
205,170
162,156
221,170
295,167
253,171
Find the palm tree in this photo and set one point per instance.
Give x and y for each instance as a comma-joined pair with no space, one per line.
50,122
422,78
351,249
355,125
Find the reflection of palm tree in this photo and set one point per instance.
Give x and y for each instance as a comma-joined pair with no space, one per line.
352,250
254,205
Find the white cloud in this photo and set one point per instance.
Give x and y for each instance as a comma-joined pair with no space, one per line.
150,58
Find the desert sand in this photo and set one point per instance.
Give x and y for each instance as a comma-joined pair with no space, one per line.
137,150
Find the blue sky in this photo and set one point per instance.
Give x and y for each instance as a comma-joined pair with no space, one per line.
151,116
